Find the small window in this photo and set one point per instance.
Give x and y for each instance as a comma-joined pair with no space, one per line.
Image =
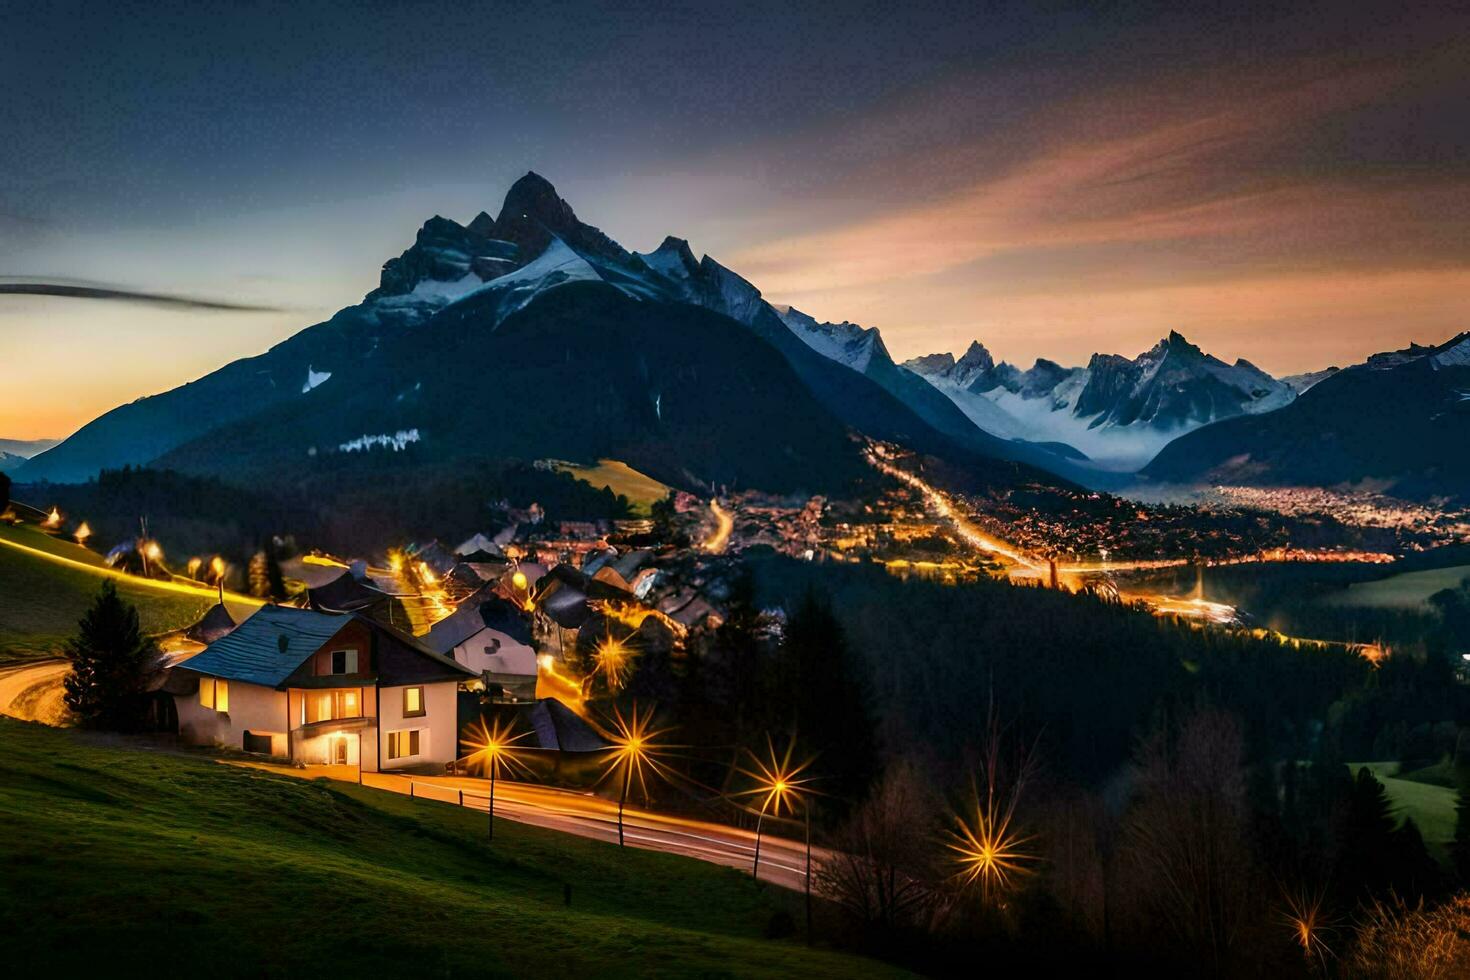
413,702
344,661
214,694
402,745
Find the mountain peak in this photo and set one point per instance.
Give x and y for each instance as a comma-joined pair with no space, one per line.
533,213
673,258
535,198
931,365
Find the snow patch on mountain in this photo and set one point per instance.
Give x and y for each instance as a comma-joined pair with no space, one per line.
1457,354
846,343
1117,411
397,441
314,378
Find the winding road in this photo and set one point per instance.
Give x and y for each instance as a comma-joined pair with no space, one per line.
32,692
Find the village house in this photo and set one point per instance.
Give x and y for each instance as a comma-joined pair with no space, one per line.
322,689
492,637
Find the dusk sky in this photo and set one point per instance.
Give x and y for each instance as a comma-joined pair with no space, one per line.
1292,187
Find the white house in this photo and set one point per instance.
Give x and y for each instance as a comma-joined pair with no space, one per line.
491,637
322,689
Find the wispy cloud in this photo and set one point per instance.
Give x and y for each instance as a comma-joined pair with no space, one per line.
99,291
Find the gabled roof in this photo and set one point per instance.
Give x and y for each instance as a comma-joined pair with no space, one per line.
558,727
212,625
343,594
269,646
476,544
483,609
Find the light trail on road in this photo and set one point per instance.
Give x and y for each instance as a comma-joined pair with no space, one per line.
783,861
724,523
199,591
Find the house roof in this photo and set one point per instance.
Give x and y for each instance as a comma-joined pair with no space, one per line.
476,544
269,646
343,594
272,645
212,625
558,727
483,609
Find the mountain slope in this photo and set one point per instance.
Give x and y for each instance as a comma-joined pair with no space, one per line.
483,275
673,390
1117,411
1400,420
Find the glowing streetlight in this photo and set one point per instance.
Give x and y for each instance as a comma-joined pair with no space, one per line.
989,850
634,750
519,580
614,659
493,750
83,532
217,566
53,519
779,785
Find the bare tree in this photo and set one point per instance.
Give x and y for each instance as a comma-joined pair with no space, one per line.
1185,846
882,869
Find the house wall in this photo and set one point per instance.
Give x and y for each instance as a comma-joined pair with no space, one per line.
254,708
439,725
316,747
512,656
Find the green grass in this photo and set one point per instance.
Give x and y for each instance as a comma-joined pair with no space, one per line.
41,600
1407,590
1431,806
642,491
122,861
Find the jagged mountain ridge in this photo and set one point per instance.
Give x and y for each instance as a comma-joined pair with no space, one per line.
480,276
1398,422
1118,411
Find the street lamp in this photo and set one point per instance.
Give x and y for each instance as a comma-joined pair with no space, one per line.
493,749
634,748
780,786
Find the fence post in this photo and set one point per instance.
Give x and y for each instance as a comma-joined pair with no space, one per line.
410,789
461,797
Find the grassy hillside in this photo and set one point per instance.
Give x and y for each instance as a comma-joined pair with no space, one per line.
41,600
119,861
1407,590
641,490
1432,807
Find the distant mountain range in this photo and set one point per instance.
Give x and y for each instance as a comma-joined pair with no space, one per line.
533,334
1399,422
1118,412
14,452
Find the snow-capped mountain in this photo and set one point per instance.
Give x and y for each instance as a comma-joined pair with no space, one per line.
1119,412
691,375
1399,420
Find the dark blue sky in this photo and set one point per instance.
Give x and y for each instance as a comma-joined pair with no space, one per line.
1050,178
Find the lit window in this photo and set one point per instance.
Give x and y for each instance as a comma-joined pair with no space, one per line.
413,702
402,745
214,694
331,705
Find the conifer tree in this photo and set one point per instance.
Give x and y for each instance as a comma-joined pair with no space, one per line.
112,662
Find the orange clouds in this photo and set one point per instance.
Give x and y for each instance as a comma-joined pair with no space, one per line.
1204,211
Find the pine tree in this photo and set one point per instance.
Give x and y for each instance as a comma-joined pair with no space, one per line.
112,662
826,684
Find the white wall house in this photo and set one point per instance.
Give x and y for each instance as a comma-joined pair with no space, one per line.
322,689
491,637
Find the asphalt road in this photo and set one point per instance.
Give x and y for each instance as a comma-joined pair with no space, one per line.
32,692
783,859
